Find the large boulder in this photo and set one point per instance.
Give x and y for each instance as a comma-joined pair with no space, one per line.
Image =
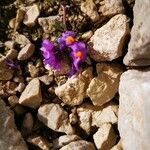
139,46
134,114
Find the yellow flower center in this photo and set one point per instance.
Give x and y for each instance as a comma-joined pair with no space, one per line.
70,39
79,54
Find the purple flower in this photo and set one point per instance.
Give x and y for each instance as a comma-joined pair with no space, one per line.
78,54
67,39
12,64
50,54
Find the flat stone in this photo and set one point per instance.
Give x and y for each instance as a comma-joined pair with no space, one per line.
48,23
64,140
94,116
10,137
55,117
111,7
105,137
26,52
108,41
138,49
31,96
104,87
79,145
134,114
89,8
31,15
6,73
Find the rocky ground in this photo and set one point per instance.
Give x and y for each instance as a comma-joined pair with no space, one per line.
105,107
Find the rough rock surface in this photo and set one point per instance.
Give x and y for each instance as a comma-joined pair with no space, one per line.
55,117
108,41
89,8
26,52
31,15
90,116
5,72
10,137
31,96
134,114
47,23
74,90
105,137
111,7
64,140
79,145
104,87
139,45
40,142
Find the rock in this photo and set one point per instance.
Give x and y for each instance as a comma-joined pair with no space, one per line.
19,18
10,137
12,23
13,100
73,118
21,39
48,23
104,87
111,7
46,79
9,44
134,114
64,140
39,141
12,54
89,8
87,35
79,145
90,116
138,50
31,15
33,70
31,96
118,146
5,72
20,87
73,91
26,52
105,137
55,117
28,123
108,41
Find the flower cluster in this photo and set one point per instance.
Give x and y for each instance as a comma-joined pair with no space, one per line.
77,52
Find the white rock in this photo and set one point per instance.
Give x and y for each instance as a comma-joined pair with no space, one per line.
108,40
105,137
31,15
31,96
74,90
134,105
53,116
48,23
104,87
111,7
26,52
10,137
64,140
90,116
89,8
79,145
139,45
